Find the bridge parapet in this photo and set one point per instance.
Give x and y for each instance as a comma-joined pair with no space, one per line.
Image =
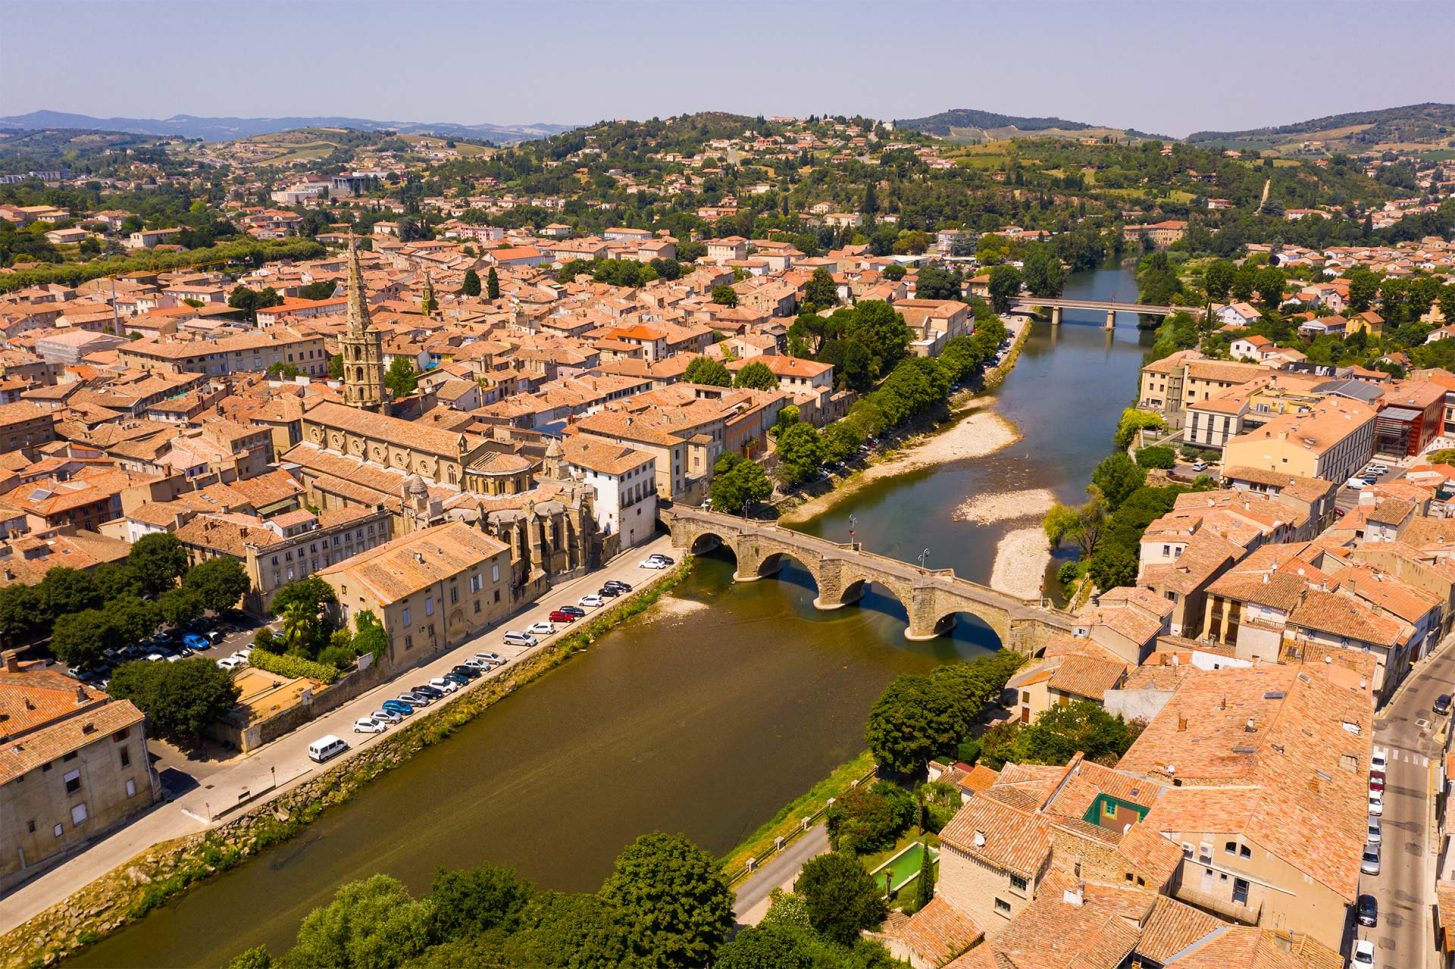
932,598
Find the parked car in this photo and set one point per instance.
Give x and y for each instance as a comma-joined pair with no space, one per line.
1376,803
516,637
576,611
1199,466
434,693
1368,911
479,665
1375,834
1363,957
231,663
651,563
1442,704
1356,484
398,707
608,592
541,628
1369,863
467,671
561,615
195,641
368,725
1376,783
325,747
618,584
1377,762
596,602
663,557
459,679
416,697
385,715
490,657
444,685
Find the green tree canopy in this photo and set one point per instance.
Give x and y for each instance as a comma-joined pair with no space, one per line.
820,292
800,453
840,896
220,581
913,721
756,376
1005,286
471,284
706,370
865,819
1117,476
673,900
181,699
880,329
158,560
492,284
370,924
724,295
740,486
401,378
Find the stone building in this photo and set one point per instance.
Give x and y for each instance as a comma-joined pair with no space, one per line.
362,347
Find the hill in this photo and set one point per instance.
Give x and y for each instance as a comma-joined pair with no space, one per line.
972,125
228,129
1430,125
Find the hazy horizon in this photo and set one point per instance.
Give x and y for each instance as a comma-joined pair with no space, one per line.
1169,67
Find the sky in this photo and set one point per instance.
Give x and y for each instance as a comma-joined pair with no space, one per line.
1163,66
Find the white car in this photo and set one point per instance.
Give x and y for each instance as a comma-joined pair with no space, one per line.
368,725
1375,835
231,663
440,683
1199,466
590,602
1363,954
1357,484
1378,762
651,564
542,628
514,637
493,658
1376,803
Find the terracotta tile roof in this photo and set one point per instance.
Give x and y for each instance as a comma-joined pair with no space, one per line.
1172,927
416,561
938,932
45,714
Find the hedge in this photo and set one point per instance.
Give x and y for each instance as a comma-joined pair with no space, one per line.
292,666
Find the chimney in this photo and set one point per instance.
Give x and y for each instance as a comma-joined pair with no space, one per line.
12,660
1181,724
979,838
81,695
1251,726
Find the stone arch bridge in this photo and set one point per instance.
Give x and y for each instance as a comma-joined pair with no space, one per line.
931,597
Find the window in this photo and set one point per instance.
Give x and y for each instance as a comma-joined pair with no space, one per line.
454,594
121,734
130,787
59,831
1002,907
125,757
475,584
497,595
477,607
495,573
78,814
408,641
429,605
1231,847
1018,883
1240,891
1244,851
406,616
73,782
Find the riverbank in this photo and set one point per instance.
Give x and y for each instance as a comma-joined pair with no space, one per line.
1021,559
168,869
973,430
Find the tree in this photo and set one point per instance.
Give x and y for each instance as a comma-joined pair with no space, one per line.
1270,282
1081,524
281,370
1217,280
1060,732
1043,272
1363,287
22,613
756,376
336,366
706,370
471,284
1446,302
853,366
1157,456
924,886
116,579
1134,421
65,590
1005,286
867,819
935,283
401,378
880,329
220,581
1112,566
492,284
323,289
475,900
571,932
370,924
913,720
79,639
158,560
673,899
304,607
181,699
820,292
1117,476
742,485
841,441
370,636
767,947
800,454
250,301
840,896
724,296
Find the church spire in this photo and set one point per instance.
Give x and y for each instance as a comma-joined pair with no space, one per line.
428,303
358,303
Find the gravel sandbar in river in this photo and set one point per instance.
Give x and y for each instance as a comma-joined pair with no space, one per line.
1020,563
1005,506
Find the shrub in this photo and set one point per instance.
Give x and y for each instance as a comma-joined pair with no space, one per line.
293,666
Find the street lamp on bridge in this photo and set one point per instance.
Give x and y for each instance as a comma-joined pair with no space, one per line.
923,556
853,520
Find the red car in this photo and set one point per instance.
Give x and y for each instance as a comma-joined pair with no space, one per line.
559,616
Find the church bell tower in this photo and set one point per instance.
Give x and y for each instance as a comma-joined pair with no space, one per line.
362,347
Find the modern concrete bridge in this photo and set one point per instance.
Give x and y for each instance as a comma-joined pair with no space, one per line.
1112,307
931,597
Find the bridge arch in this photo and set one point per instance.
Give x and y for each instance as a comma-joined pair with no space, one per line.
963,624
704,542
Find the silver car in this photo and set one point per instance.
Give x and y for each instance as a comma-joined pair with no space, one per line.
1369,863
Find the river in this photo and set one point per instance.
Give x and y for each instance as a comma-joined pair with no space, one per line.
703,716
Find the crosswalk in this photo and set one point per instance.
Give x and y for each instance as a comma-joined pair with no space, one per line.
1409,756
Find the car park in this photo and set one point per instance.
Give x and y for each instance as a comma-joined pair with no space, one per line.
384,715
541,628
368,725
1369,862
1363,957
398,707
516,637
1368,911
588,602
444,685
561,615
618,584
1442,704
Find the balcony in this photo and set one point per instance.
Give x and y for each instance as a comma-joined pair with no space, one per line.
1220,901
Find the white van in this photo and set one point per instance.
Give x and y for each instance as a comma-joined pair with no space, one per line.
325,747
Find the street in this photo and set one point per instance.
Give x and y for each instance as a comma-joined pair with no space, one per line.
1410,735
219,786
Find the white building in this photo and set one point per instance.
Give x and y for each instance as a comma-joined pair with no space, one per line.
625,480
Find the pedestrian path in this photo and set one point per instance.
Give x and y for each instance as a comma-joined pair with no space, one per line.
1399,754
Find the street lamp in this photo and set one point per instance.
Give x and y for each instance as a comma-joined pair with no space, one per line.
853,520
922,556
